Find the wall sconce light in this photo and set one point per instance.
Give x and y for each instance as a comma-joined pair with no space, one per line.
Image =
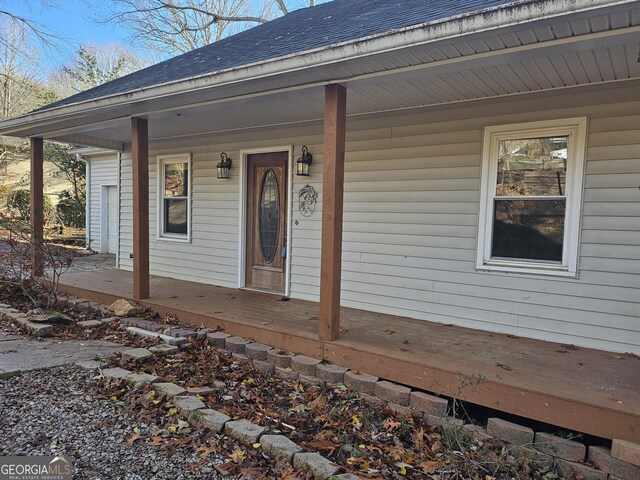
303,162
224,166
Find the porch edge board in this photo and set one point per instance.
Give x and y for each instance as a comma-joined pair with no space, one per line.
277,339
562,412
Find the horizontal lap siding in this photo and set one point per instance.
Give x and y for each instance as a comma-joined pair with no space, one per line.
125,242
104,171
411,219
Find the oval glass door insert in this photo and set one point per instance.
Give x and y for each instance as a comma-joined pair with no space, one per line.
269,214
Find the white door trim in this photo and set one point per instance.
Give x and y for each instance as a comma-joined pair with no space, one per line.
242,227
104,217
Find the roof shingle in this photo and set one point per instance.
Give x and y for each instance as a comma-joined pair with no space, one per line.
299,31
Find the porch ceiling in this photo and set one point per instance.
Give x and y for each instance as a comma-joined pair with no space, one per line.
588,48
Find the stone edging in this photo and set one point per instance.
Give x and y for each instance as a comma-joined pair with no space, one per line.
245,432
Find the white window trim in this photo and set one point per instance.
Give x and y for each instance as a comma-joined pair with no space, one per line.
576,130
161,234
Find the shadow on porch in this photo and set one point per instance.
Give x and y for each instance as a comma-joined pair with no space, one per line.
591,391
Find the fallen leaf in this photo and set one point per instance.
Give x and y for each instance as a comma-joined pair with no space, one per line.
436,446
181,441
133,438
402,468
325,445
397,452
430,467
238,455
418,438
356,421
206,451
192,467
221,470
390,424
319,403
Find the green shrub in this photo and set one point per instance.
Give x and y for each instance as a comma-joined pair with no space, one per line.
69,212
19,206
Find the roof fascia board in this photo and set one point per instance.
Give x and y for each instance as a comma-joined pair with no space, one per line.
502,16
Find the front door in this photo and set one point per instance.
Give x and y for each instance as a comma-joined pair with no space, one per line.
266,221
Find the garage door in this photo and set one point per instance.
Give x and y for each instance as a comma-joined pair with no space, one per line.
112,219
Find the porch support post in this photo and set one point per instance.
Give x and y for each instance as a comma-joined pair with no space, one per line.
140,160
335,118
37,206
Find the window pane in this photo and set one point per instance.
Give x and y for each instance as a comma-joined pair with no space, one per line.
269,216
175,216
528,229
176,178
532,166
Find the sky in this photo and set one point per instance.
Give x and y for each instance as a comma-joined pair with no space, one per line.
73,21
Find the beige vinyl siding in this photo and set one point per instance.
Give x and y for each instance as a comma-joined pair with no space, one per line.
411,206
104,171
125,242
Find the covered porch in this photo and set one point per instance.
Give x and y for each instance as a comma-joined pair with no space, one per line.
587,390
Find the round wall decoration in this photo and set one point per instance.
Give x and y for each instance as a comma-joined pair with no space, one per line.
307,197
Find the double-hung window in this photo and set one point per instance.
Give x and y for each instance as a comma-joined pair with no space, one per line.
174,212
531,194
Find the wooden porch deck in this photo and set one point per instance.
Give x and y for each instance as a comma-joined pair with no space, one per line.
582,389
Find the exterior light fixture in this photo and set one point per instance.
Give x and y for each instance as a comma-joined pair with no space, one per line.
303,162
224,166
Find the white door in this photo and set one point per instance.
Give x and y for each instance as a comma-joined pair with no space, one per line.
112,219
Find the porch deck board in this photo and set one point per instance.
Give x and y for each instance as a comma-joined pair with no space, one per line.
588,390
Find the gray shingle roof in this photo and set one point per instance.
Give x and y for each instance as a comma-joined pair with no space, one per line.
299,31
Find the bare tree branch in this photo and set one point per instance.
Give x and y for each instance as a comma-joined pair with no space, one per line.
183,25
41,32
282,6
